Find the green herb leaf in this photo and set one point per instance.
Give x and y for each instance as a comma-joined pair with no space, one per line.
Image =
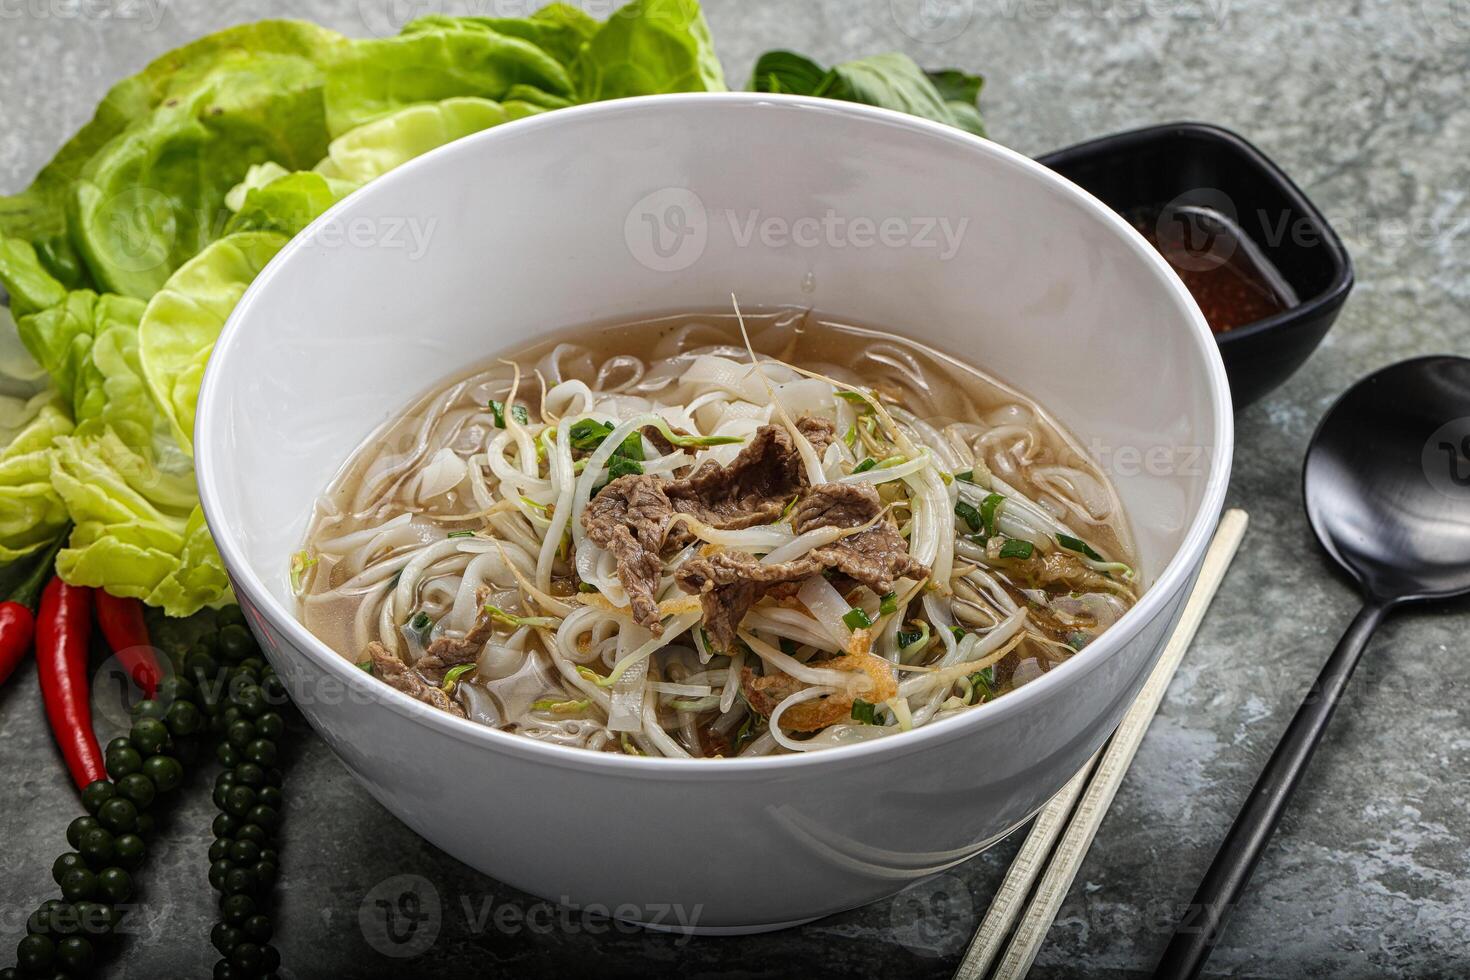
587,434
862,400
989,509
1079,546
1016,548
517,412
857,619
968,514
453,674
863,712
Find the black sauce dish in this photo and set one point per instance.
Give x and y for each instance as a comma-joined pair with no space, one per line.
1220,201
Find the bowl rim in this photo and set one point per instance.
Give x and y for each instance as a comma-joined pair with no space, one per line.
294,635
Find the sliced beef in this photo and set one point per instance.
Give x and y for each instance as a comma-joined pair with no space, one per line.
629,518
395,673
728,583
631,515
757,484
876,557
451,651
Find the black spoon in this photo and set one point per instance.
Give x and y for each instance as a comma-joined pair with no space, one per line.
1387,489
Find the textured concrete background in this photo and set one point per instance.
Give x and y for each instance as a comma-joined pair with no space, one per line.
1364,104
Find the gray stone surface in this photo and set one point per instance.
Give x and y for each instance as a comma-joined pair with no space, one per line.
1364,104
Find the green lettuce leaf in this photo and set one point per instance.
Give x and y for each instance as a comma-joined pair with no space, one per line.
374,148
558,29
26,279
370,79
139,530
649,47
181,323
32,513
889,81
286,204
40,213
154,196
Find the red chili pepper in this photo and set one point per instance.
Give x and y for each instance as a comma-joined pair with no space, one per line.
122,625
63,629
17,613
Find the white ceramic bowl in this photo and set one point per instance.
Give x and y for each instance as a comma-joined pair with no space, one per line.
485,245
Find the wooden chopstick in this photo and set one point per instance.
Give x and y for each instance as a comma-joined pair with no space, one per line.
1101,777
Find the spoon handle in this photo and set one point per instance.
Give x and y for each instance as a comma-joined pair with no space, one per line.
1204,921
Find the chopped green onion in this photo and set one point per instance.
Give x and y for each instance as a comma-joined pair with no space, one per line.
560,707
620,465
888,605
863,712
366,666
1016,548
461,534
857,619
517,412
850,438
859,398
982,685
587,434
907,638
590,675
421,622
452,676
543,509
1078,639
510,619
968,476
692,442
989,507
957,632
1079,546
301,562
585,587
969,515
865,465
